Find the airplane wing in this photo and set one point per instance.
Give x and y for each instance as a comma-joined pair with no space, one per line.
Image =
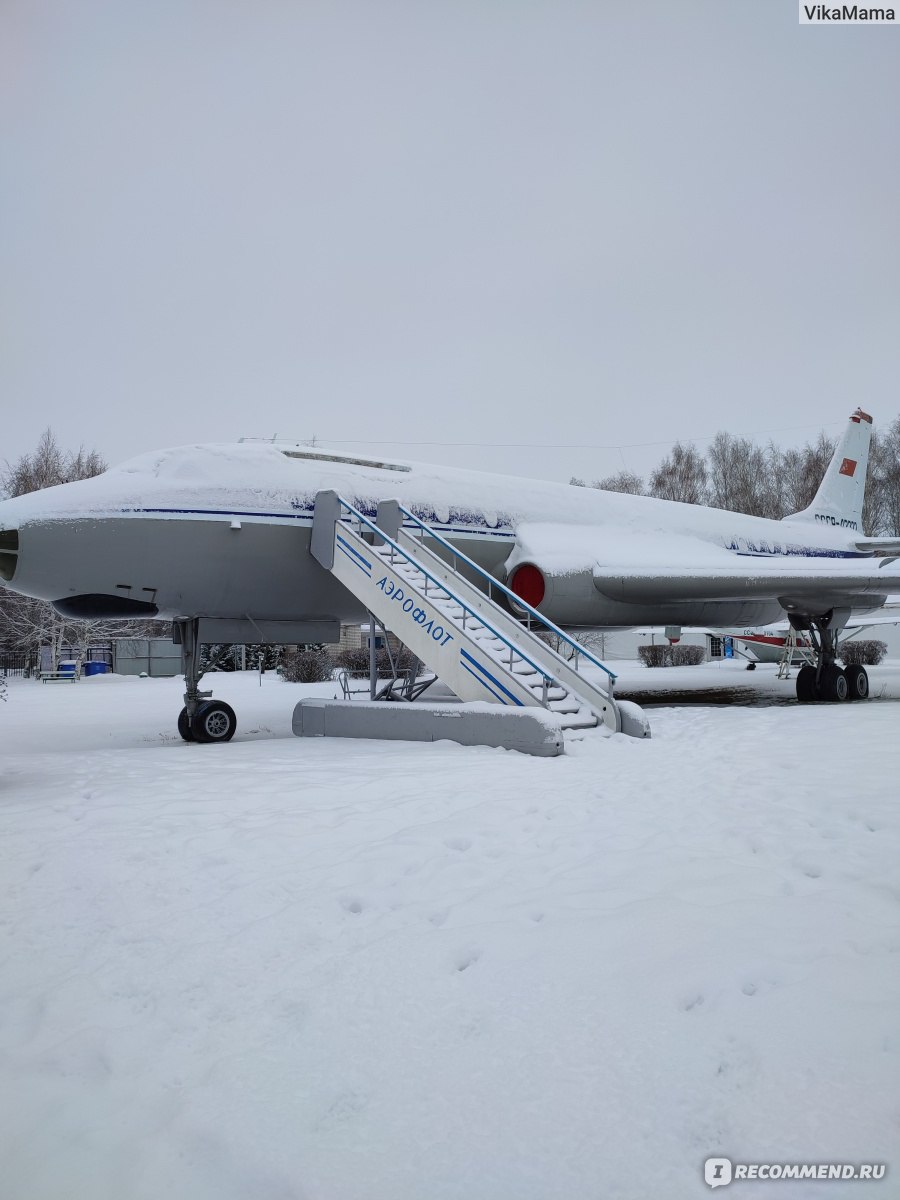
822,587
661,568
879,545
852,628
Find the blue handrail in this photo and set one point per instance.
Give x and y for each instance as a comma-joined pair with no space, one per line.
517,600
439,583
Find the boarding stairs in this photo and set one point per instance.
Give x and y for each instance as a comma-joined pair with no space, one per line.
794,653
441,604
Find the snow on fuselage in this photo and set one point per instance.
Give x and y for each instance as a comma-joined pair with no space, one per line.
223,530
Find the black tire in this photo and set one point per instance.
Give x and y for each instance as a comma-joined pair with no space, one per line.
833,683
184,726
806,685
214,721
857,682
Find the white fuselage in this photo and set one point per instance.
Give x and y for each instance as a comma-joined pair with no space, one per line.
223,531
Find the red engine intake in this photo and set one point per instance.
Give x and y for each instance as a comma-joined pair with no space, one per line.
528,583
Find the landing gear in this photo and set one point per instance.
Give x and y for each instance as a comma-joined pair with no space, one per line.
857,682
214,721
202,719
806,685
826,680
832,683
184,726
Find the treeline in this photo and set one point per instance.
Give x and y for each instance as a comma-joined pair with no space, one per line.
27,624
741,475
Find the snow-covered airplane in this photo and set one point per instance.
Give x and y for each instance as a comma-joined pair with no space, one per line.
221,540
767,643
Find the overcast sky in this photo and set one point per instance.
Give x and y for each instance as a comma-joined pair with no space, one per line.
521,225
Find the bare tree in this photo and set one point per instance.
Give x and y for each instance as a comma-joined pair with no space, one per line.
738,477
27,624
48,466
593,640
682,476
881,511
623,481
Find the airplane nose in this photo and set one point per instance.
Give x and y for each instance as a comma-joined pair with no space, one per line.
9,553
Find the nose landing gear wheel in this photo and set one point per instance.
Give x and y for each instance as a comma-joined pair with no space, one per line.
214,721
857,682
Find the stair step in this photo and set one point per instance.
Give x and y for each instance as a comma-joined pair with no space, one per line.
588,722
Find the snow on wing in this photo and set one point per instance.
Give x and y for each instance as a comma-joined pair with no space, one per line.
815,585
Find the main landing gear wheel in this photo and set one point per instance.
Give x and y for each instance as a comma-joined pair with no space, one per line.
857,682
826,681
833,683
214,721
807,690
184,726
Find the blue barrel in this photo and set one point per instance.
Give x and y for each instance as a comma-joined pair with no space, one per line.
94,668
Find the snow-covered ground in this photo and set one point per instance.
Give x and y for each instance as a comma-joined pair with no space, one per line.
354,971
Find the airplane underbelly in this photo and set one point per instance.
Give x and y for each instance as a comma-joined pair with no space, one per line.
713,613
119,566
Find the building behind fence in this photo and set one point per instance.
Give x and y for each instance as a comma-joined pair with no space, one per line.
157,657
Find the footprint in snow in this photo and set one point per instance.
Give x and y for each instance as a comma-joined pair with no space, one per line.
691,1002
458,843
467,958
352,904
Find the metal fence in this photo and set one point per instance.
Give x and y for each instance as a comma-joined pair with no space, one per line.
25,665
156,657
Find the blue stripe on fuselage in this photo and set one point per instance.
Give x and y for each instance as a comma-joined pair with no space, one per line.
486,531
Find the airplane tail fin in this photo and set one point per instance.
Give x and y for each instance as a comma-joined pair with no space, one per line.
839,500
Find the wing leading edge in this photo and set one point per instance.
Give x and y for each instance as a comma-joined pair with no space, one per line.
879,545
813,586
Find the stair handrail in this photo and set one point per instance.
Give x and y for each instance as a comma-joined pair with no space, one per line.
511,595
442,586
